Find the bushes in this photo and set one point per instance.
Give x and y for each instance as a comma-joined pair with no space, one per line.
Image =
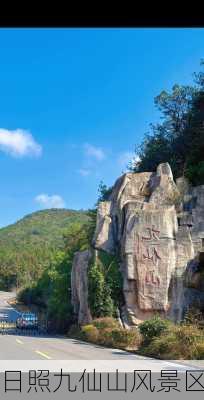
31,295
152,328
124,338
199,351
155,338
176,342
90,333
107,332
164,347
103,323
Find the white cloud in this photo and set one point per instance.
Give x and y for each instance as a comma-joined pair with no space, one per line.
95,152
53,201
19,143
128,158
84,171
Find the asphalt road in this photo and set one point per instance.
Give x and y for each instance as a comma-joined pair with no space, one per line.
21,347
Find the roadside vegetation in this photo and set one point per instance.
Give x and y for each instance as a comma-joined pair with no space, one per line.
157,337
107,332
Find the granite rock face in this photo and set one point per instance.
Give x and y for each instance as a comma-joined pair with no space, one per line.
156,226
79,284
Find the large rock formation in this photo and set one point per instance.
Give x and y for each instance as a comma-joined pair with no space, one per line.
147,224
156,226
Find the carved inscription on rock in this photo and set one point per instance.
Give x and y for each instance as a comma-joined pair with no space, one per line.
150,254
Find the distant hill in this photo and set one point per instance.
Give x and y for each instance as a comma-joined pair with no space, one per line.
28,245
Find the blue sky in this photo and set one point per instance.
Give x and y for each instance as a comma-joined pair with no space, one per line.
73,105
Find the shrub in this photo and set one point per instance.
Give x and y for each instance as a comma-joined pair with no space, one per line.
119,337
153,328
106,322
90,333
105,337
188,334
31,295
198,353
124,338
193,316
177,342
164,347
107,332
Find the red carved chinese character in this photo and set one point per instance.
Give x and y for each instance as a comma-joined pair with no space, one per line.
152,278
154,256
153,234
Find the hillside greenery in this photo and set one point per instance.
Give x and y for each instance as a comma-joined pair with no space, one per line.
50,291
28,246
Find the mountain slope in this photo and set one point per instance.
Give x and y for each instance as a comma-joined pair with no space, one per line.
27,246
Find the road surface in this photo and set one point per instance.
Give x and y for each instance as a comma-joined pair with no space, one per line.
22,347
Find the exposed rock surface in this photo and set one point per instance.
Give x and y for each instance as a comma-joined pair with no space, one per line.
157,228
79,283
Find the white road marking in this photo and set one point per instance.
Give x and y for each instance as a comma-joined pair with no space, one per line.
43,354
19,341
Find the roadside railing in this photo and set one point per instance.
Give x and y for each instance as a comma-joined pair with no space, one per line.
9,327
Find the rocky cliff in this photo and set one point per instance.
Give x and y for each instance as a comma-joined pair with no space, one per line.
156,226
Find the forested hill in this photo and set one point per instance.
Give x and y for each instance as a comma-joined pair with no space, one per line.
27,246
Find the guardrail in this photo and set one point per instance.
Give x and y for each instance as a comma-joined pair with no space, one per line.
9,327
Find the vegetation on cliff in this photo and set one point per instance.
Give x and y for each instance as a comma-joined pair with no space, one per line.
179,138
105,285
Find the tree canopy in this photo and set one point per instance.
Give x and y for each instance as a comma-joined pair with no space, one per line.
179,137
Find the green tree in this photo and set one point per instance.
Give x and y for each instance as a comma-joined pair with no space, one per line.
104,192
100,300
164,143
179,138
105,285
194,142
